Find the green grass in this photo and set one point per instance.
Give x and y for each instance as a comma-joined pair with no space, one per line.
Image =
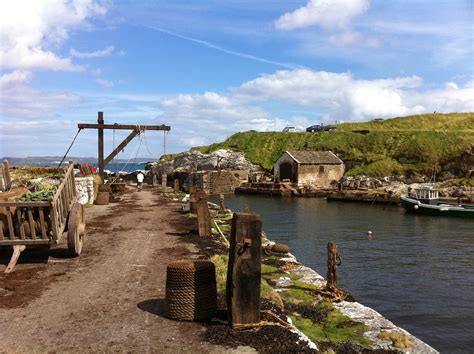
414,144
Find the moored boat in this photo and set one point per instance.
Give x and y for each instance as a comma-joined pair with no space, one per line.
426,201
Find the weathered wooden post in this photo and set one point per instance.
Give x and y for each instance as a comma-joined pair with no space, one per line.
192,199
204,217
244,270
222,208
6,175
176,186
163,182
334,260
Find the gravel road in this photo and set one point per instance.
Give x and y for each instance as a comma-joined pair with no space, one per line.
109,299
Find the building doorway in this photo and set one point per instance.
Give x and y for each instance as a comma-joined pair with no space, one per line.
286,171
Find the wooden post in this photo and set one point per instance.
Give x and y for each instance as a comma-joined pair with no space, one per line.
334,260
164,179
244,269
192,199
222,208
6,175
176,186
204,217
100,130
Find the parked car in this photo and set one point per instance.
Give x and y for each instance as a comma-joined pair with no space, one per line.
314,128
289,130
329,128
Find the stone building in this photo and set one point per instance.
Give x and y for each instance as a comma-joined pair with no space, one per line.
309,168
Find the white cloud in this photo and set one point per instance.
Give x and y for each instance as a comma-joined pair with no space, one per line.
328,14
351,37
328,95
96,54
18,99
104,82
32,29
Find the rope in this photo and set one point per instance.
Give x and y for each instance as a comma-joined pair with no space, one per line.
70,146
146,145
130,158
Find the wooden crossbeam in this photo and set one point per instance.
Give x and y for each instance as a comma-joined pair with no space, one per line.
123,126
121,146
100,126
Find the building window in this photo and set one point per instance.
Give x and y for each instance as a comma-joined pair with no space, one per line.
321,169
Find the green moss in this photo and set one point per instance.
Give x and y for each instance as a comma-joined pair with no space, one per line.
269,293
297,295
337,328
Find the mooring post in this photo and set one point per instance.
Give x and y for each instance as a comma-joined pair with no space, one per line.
192,199
222,208
164,179
203,215
334,260
100,130
176,186
244,270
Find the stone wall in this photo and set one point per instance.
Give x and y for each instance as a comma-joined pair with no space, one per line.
319,176
216,182
85,189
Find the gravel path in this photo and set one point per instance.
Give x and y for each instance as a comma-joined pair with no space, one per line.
110,298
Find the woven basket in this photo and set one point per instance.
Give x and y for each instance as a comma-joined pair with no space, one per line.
191,293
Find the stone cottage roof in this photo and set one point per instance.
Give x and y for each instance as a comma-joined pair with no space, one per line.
315,157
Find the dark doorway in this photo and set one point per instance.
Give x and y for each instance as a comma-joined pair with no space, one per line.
286,171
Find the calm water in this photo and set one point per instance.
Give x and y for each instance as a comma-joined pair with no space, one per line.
418,271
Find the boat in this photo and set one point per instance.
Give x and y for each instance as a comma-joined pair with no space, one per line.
426,201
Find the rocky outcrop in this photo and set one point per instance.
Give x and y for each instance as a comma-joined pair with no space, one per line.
193,160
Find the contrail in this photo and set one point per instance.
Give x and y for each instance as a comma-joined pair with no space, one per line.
227,51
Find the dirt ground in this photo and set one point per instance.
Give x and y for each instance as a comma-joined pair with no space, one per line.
111,298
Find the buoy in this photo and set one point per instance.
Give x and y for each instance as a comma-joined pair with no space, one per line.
369,235
416,207
369,232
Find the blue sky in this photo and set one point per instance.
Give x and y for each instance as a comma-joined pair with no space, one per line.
212,68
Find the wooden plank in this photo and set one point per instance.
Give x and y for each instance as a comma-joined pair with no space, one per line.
122,145
100,139
20,223
204,217
31,221
244,270
54,221
42,224
61,186
23,204
17,249
10,224
7,242
122,126
1,229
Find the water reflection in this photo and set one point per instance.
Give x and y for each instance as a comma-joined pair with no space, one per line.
416,270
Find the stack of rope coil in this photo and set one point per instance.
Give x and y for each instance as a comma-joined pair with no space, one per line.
191,290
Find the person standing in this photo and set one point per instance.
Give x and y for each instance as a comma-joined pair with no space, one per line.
140,178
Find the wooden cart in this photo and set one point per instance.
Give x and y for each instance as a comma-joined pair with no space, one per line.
36,223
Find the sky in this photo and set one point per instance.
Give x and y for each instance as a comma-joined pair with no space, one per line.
210,69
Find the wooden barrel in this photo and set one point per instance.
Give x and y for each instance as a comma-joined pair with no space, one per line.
102,198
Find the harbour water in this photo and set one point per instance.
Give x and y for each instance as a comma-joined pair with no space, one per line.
418,271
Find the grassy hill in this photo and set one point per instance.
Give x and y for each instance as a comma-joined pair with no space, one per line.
406,145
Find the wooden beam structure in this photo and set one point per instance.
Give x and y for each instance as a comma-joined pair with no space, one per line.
100,126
